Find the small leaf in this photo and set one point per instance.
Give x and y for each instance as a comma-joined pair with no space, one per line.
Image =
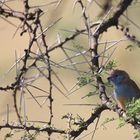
8,135
84,80
91,94
110,65
129,47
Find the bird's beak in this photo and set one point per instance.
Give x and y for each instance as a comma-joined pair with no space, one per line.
109,78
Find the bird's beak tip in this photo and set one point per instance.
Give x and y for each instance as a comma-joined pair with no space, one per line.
109,79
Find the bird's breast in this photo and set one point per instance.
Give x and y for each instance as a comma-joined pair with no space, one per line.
125,91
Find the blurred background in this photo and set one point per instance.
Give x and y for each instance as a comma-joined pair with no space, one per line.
13,44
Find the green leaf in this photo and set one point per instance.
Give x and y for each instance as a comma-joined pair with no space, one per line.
110,65
8,135
133,109
129,47
91,94
84,80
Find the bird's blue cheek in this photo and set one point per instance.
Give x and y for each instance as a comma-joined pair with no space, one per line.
114,81
117,80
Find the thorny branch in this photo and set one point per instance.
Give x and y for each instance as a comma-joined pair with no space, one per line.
29,128
90,120
31,23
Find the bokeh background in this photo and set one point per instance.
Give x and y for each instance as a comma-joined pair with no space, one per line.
12,44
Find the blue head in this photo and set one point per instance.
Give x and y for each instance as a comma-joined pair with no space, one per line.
117,77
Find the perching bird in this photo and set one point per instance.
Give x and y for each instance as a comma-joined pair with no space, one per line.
125,89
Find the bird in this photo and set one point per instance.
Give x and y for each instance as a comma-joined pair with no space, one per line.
125,89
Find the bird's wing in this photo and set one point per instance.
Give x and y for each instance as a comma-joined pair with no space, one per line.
135,87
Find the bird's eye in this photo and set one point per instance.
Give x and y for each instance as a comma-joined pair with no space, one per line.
116,75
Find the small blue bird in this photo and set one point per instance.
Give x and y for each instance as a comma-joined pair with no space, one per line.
125,89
